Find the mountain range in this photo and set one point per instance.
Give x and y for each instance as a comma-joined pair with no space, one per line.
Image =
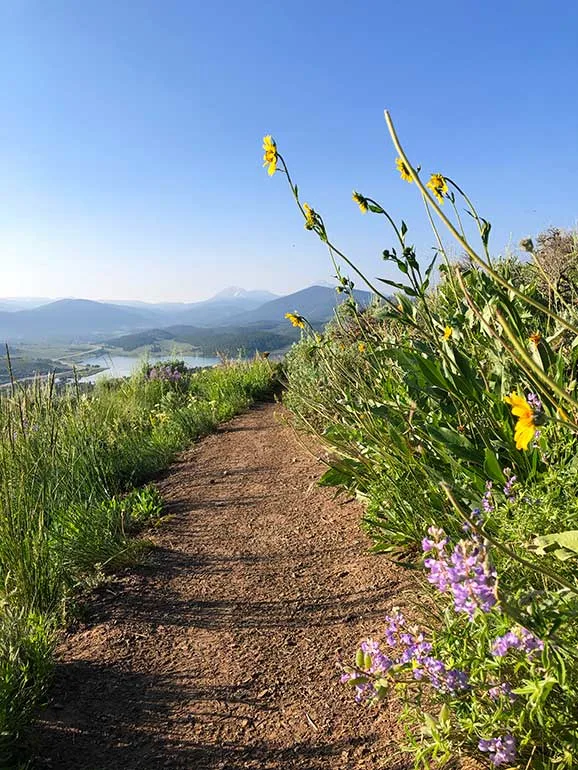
81,320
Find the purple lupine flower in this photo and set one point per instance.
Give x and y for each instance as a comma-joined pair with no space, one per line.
502,751
466,573
380,663
440,678
487,503
394,622
436,542
364,691
503,690
520,639
509,485
534,402
476,516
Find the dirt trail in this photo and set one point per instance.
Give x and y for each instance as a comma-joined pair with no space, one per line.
220,651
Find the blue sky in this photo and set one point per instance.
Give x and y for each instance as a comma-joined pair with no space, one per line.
130,135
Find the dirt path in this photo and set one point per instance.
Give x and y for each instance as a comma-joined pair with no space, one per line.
220,652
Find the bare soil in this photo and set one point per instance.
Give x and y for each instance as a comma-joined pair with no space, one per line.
221,649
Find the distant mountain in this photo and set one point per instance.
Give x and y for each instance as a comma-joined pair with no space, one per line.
316,303
72,319
235,292
82,320
13,304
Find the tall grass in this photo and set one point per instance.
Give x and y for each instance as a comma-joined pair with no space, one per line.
68,463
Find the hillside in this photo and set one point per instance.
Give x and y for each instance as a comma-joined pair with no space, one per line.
316,303
71,319
211,342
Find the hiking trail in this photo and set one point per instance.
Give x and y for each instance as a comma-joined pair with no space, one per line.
220,650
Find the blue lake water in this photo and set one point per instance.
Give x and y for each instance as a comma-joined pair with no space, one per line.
123,366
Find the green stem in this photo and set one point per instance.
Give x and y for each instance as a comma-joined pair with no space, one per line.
464,243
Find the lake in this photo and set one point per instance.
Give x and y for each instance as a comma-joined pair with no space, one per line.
123,366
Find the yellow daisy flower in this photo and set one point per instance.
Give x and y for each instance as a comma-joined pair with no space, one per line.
437,184
270,156
309,216
403,170
448,331
296,319
361,202
362,347
525,427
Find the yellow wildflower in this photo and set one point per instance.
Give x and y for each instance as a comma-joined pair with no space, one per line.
309,216
361,201
362,347
296,319
525,427
270,156
437,184
448,331
535,337
403,170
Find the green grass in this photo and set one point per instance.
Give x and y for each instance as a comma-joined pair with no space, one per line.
70,465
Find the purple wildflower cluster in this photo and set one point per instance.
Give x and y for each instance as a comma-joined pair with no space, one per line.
509,485
166,373
409,652
465,572
534,402
518,639
502,751
503,690
487,503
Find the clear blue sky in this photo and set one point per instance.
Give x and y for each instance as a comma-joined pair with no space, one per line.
130,135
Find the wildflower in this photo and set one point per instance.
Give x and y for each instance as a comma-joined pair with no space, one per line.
403,170
502,751
527,244
535,337
466,573
519,639
270,156
503,690
448,331
487,504
524,411
437,184
380,663
296,319
309,217
362,347
509,486
361,202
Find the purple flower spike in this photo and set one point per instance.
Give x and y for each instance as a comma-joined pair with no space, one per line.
466,573
520,639
502,751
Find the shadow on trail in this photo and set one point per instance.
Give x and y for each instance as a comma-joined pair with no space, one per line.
100,705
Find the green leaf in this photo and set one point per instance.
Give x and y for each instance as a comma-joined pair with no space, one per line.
562,545
492,467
